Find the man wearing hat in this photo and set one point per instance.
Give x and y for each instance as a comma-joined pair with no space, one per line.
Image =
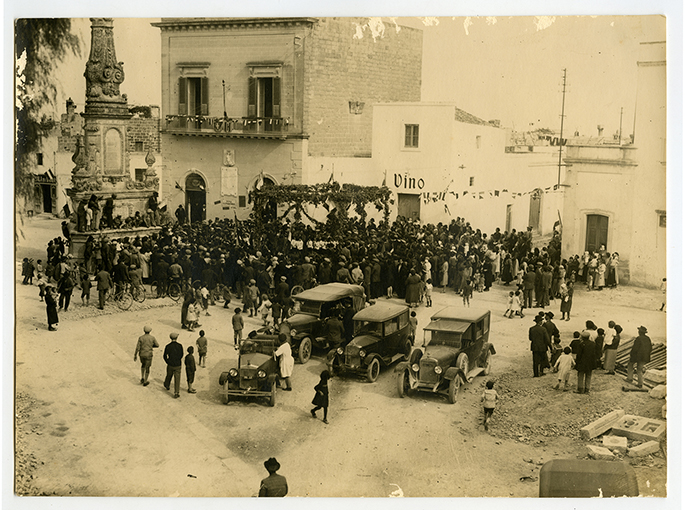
539,342
641,354
273,486
144,347
173,355
586,361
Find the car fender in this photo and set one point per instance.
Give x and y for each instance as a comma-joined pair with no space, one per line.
271,377
402,365
223,378
453,372
488,347
366,360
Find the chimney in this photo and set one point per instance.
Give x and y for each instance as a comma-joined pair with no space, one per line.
71,107
600,130
494,123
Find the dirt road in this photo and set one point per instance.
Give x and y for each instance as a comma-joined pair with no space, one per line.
93,430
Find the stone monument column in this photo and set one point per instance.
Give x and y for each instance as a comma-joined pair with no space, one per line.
101,159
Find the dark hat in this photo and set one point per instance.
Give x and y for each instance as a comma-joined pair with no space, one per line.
537,318
642,329
173,336
147,329
549,315
271,464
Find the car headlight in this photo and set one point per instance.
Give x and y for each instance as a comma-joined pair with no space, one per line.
293,332
261,374
233,372
438,369
339,351
362,353
415,367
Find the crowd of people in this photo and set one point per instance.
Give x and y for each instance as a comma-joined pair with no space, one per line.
591,349
214,260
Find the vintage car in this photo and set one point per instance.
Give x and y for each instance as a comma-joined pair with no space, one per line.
256,373
312,307
455,350
381,338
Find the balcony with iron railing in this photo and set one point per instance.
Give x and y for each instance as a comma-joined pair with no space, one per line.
232,127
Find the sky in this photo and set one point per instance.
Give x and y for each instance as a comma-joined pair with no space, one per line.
499,67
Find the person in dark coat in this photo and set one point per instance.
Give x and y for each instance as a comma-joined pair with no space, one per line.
528,288
108,211
51,307
585,362
274,485
66,287
173,355
640,354
104,284
413,289
320,399
539,343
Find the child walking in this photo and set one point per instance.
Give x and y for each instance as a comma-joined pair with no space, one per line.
320,399
467,292
509,312
190,369
489,398
264,310
238,325
429,292
413,323
202,348
85,290
564,365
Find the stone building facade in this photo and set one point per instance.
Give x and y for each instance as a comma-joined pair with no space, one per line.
616,194
278,100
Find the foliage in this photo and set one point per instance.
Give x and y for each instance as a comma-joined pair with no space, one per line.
144,112
298,196
40,44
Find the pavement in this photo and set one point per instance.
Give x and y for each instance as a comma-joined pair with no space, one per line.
96,431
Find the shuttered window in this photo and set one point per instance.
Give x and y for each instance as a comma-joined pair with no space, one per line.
264,97
193,96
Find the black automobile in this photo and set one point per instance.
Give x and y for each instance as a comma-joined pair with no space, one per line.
381,338
456,349
312,308
256,373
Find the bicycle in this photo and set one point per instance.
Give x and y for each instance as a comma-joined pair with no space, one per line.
123,299
138,293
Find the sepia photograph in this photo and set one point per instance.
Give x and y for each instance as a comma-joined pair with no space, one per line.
341,257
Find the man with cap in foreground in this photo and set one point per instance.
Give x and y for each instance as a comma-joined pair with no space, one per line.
274,486
641,354
586,361
173,355
539,342
144,347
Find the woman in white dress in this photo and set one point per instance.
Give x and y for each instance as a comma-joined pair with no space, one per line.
286,361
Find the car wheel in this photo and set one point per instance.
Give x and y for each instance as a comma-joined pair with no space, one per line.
305,350
403,383
407,349
373,370
487,364
272,398
463,362
455,385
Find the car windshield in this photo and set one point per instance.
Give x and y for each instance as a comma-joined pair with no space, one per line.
311,307
442,338
368,328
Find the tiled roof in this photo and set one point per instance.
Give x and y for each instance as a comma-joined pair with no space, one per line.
462,116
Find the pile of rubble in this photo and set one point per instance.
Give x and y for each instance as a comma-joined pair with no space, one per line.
625,435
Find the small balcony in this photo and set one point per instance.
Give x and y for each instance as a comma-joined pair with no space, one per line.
229,127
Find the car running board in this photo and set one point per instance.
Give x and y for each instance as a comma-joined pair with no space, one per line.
473,373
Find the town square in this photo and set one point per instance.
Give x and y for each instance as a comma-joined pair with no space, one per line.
306,267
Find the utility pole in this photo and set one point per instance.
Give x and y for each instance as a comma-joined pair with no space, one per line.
620,128
561,132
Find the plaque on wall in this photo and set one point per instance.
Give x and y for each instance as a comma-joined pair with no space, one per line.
229,157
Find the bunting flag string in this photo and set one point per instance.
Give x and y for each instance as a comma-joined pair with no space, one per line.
441,196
